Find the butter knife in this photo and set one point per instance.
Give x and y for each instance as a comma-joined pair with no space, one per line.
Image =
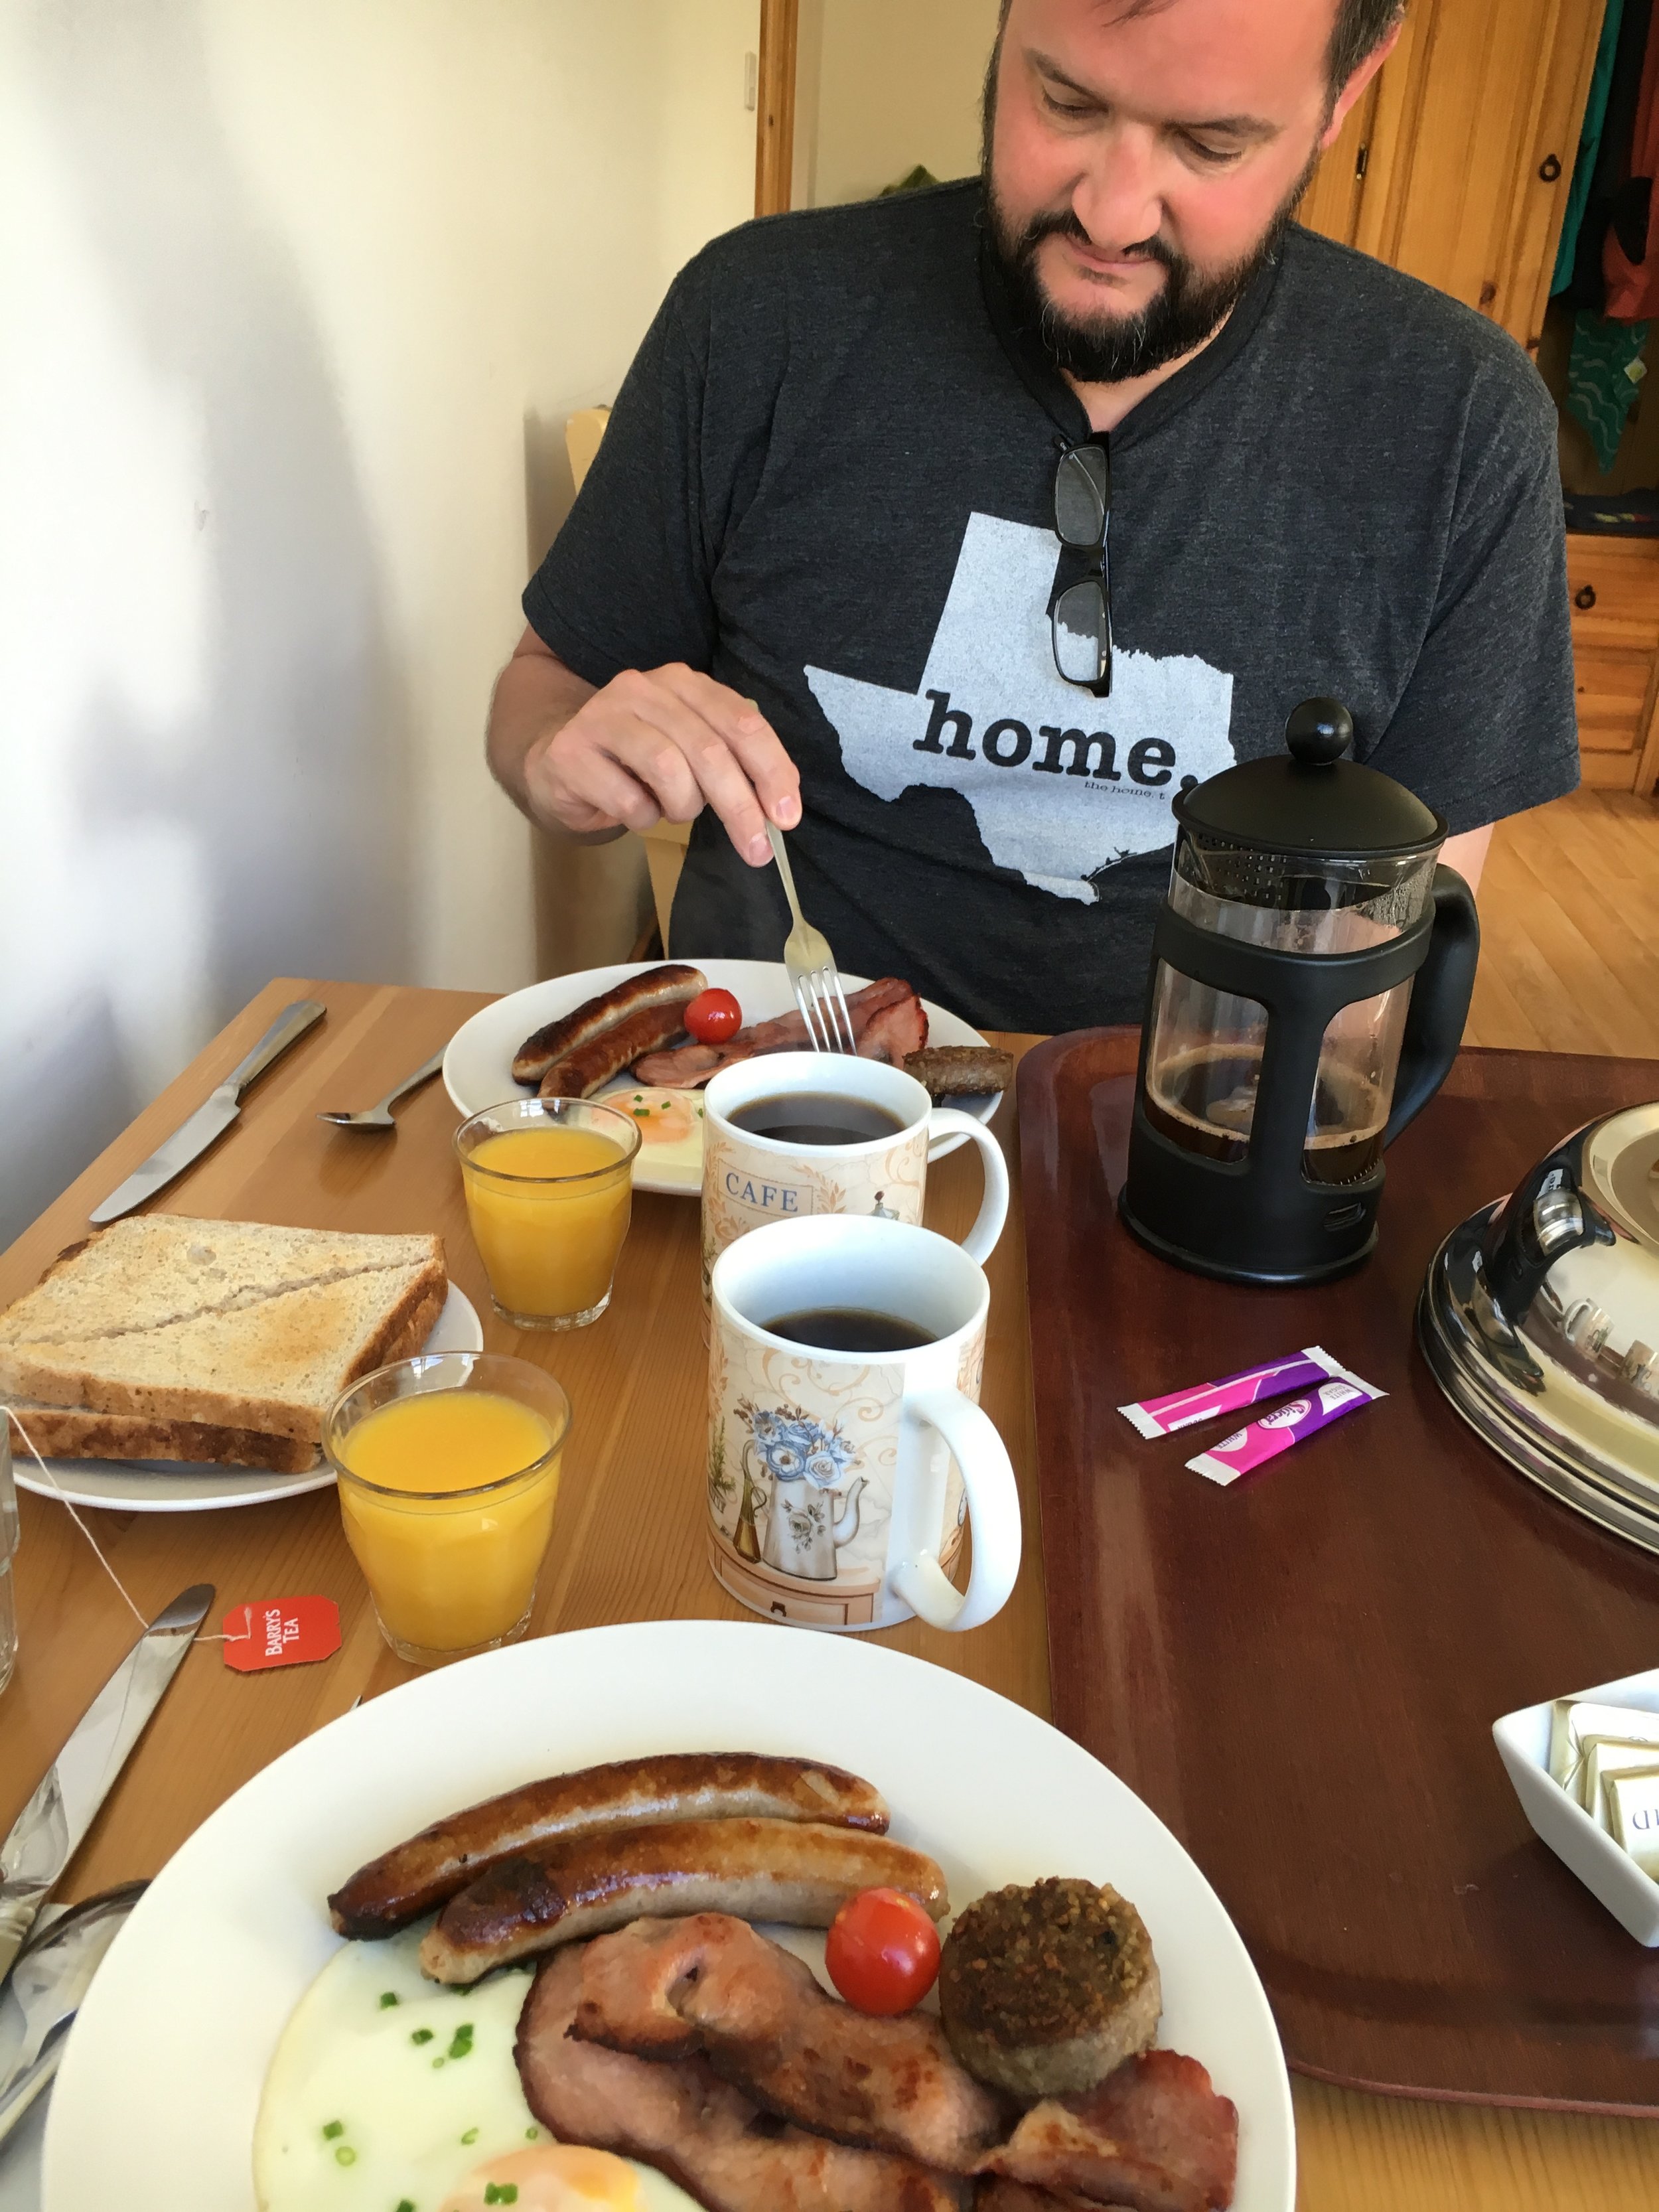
189,1140
48,1830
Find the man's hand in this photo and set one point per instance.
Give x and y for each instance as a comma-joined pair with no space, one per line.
652,744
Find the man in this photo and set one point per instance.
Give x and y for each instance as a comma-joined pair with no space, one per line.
815,575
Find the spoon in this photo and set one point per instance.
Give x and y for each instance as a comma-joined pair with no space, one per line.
380,1117
51,1976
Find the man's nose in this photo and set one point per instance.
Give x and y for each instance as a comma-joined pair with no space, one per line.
1116,199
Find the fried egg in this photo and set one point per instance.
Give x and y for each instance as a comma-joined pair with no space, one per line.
389,2092
670,1125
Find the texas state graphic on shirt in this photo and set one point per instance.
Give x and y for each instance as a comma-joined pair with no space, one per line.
1062,784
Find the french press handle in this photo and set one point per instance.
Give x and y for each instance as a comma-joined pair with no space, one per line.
1441,992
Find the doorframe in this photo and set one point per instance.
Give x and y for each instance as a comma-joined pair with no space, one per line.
775,107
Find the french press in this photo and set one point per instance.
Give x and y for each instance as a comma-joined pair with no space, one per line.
1310,977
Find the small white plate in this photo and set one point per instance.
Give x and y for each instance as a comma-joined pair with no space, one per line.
183,1485
478,1064
1607,1871
155,2104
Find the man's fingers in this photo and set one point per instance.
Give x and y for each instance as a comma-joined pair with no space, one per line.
758,749
586,789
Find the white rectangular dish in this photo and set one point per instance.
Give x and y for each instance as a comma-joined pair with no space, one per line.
1608,1873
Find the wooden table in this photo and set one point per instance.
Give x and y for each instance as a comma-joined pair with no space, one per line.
635,1380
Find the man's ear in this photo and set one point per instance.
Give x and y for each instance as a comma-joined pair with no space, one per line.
1356,84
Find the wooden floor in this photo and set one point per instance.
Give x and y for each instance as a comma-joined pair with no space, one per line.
1569,929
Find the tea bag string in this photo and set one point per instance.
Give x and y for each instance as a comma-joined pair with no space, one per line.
68,1504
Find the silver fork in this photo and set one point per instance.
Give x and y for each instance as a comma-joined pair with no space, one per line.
380,1117
810,965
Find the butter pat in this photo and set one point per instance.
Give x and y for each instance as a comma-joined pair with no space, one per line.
1605,1756
1574,1719
1633,1807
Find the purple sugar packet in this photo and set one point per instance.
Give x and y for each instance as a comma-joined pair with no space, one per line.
1180,1409
1275,1432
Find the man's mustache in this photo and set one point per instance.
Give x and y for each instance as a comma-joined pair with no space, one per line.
1063,223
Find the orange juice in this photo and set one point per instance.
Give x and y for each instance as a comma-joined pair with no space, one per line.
549,1208
451,1536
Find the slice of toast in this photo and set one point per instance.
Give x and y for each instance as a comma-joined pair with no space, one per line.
76,1433
152,1269
274,1365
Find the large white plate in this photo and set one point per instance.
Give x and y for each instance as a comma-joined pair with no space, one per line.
155,2104
183,1485
478,1064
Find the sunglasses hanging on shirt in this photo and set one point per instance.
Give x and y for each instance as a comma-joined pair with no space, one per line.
1081,619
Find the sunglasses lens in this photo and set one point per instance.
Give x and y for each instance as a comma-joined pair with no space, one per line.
1082,491
1083,652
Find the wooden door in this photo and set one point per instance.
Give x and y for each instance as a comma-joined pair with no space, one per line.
1455,166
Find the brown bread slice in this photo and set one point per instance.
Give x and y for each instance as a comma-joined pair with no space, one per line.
75,1432
275,1366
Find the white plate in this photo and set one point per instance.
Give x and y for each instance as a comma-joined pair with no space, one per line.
155,2104
183,1485
478,1064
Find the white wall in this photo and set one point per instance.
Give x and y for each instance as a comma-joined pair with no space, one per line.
295,300
883,84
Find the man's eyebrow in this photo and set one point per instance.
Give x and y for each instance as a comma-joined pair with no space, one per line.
1252,128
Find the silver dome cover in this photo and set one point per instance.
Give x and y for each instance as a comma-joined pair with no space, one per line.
1540,1319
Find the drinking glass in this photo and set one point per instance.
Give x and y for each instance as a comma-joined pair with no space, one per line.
549,1189
450,1540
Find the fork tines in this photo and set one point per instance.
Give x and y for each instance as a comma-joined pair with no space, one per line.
822,1005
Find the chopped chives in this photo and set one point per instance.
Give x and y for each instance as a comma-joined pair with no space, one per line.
344,2154
500,2192
388,1997
531,2134
333,2128
470,2136
421,2035
460,2043
405,2204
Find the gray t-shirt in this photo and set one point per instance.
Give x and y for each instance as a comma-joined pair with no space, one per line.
829,481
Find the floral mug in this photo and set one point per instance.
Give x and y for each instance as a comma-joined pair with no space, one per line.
839,1482
749,1181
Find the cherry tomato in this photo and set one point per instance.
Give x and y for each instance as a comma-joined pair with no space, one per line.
882,1951
714,1015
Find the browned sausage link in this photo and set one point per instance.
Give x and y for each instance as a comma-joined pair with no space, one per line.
412,1877
960,1070
674,983
796,1872
579,1073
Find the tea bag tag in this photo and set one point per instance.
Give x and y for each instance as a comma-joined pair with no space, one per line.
281,1631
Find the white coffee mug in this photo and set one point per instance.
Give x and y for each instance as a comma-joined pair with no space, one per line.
749,1180
839,1481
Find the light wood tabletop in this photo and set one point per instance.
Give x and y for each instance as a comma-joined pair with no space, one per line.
636,1382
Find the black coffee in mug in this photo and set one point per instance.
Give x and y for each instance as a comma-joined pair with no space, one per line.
851,1328
815,1117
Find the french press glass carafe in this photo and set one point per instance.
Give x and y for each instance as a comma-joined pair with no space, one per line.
1310,978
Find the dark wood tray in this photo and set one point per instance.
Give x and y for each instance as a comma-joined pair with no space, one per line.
1300,1673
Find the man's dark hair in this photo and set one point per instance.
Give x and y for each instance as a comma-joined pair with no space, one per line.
1360,27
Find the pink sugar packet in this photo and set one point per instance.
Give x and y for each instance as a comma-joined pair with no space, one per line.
1180,1409
1275,1432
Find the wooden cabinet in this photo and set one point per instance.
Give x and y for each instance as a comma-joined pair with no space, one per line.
1455,164
1615,584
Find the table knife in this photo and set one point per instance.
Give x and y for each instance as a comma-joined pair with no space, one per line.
192,1138
48,1830
48,1986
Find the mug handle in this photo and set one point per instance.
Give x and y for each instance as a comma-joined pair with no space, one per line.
981,1239
988,1476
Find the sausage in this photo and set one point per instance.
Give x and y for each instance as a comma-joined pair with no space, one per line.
798,1872
588,1067
961,1070
412,1877
673,984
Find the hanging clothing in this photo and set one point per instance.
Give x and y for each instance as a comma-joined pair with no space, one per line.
1589,286
1630,256
1601,389
1589,146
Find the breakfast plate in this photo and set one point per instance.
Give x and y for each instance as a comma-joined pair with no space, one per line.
181,1485
478,1064
161,2082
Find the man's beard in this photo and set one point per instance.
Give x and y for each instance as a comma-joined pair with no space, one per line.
1187,308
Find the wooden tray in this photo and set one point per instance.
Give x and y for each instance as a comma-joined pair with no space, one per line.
1301,1673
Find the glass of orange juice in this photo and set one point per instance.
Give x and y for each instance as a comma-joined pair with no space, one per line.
550,1187
448,1474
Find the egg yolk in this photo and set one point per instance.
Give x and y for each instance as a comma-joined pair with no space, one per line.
552,2178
